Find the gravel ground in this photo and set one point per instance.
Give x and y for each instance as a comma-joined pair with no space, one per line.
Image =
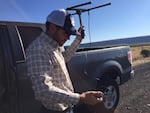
135,94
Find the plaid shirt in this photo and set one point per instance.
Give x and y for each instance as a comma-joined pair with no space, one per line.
48,73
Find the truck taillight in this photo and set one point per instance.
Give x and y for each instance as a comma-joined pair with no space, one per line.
130,56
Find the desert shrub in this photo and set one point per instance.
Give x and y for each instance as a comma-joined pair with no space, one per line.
145,53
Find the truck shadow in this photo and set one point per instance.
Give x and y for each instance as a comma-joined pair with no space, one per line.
99,108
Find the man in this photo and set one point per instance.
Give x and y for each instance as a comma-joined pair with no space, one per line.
47,69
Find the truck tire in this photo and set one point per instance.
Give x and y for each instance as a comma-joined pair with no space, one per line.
111,97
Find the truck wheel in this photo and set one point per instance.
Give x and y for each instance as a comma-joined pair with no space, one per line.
111,97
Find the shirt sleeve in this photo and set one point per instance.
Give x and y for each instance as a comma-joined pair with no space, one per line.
70,50
40,72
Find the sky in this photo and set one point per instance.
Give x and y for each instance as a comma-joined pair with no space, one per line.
121,19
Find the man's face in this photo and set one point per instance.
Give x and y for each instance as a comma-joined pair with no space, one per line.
61,36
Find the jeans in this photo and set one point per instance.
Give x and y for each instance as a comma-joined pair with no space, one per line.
71,111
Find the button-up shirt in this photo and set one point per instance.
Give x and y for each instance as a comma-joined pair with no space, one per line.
46,65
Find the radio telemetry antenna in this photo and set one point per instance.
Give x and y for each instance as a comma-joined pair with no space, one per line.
81,10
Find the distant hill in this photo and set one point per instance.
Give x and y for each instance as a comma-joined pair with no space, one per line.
140,40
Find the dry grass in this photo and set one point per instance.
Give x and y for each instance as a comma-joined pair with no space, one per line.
136,53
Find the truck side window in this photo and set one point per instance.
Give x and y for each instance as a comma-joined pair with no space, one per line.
28,34
20,37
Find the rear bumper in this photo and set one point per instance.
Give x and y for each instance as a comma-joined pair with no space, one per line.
127,76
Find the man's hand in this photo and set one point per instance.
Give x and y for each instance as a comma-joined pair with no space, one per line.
91,97
82,32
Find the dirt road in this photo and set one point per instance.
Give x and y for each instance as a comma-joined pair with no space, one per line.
135,94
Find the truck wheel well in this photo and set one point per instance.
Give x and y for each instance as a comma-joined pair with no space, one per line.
111,74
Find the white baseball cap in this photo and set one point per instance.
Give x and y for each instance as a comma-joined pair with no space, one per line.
63,19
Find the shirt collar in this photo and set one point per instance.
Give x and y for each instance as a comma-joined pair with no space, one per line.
49,40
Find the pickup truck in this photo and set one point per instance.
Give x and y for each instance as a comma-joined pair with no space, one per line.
91,68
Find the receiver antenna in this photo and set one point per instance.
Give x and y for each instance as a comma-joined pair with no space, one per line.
81,10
